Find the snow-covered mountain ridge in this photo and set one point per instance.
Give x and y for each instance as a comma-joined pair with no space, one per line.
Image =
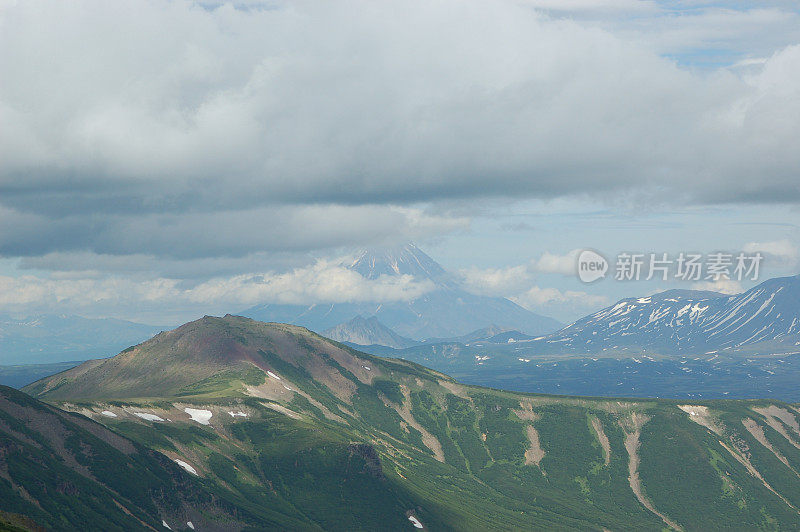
676,321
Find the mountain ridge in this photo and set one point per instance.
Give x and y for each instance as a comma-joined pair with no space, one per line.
451,456
688,322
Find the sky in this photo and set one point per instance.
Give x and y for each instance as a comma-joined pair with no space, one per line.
162,160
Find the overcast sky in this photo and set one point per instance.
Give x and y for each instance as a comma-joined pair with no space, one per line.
161,160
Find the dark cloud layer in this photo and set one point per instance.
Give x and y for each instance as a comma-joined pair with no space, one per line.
178,131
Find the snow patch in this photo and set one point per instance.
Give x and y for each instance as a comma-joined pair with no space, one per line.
415,522
273,375
190,524
186,466
201,416
165,525
108,413
148,417
237,414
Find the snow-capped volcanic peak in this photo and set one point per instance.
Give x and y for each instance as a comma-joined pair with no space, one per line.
446,310
403,260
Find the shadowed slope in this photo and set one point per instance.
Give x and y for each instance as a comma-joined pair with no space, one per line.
66,472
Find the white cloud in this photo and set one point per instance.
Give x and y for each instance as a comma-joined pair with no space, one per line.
722,285
517,284
31,292
163,135
783,250
553,263
596,6
496,281
322,282
537,298
514,279
170,107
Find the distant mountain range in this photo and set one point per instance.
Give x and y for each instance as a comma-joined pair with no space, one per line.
277,428
688,322
446,311
674,343
765,318
49,338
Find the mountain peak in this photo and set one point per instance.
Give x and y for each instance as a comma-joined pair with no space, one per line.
367,331
407,259
443,312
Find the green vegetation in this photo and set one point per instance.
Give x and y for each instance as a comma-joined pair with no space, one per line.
336,439
390,389
65,471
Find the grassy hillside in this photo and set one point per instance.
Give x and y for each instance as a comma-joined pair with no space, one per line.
62,471
278,418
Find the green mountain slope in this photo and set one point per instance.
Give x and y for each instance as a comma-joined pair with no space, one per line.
274,417
65,472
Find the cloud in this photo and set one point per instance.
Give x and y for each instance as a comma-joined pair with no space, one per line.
702,34
537,298
138,128
722,285
496,281
156,154
513,279
517,284
782,250
596,6
36,293
321,282
553,263
230,233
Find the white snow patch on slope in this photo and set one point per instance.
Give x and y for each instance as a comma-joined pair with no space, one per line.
273,375
148,417
108,413
186,466
190,524
165,525
201,416
237,414
415,522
